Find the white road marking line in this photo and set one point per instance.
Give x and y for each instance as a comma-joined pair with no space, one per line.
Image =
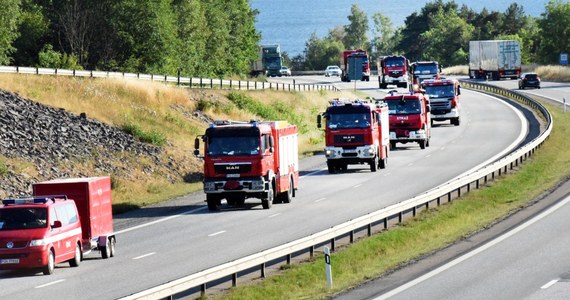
387,174
549,284
275,215
216,233
48,284
442,148
319,200
309,174
428,155
410,164
159,220
356,186
468,255
144,255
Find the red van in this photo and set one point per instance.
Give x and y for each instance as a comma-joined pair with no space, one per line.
39,232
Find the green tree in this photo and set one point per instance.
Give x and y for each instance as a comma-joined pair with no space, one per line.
554,27
356,36
9,16
514,19
33,29
384,40
319,53
447,39
193,34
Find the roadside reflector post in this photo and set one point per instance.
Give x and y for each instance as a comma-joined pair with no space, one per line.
328,267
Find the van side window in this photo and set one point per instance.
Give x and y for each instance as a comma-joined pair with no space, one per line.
71,213
52,216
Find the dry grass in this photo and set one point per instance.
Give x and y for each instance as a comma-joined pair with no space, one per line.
554,73
168,111
456,70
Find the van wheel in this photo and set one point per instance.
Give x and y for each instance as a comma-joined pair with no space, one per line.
48,270
106,250
74,262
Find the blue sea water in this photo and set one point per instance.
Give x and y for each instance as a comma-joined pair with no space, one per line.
290,23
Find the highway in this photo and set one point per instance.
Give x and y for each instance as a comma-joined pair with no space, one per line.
178,238
524,257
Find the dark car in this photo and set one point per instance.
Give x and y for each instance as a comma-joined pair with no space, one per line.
529,80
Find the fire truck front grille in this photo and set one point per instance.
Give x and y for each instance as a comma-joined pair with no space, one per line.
440,105
232,168
348,139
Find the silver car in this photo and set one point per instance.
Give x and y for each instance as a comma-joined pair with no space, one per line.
333,71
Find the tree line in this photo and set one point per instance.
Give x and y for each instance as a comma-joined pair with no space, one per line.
195,37
441,31
218,38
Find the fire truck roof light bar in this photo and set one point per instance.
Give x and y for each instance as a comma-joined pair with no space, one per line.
33,200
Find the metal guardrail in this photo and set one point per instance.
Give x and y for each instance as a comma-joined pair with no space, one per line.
446,191
189,82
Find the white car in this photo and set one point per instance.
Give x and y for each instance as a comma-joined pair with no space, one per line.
285,71
333,71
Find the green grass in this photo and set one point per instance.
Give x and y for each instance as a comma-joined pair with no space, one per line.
430,231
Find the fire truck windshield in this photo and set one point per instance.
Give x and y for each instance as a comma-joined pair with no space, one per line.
23,218
233,145
350,120
425,69
394,62
440,91
404,106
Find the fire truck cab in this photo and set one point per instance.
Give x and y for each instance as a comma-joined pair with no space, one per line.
444,99
409,118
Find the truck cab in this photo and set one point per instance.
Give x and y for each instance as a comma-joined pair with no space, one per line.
444,99
249,160
424,70
39,232
355,133
355,65
393,70
409,118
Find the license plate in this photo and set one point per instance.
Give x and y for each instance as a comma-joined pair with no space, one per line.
9,261
350,150
232,175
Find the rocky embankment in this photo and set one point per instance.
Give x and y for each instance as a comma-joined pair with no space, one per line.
48,142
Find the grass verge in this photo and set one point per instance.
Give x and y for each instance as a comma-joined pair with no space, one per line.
430,231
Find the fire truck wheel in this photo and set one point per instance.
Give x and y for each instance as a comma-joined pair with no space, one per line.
74,262
392,145
455,121
374,164
331,168
384,161
266,203
213,202
288,195
427,142
112,243
48,270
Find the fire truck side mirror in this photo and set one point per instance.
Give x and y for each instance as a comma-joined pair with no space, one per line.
458,90
196,146
319,121
428,108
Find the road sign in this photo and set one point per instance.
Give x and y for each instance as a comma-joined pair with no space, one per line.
564,58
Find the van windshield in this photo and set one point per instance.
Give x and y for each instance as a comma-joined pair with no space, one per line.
22,218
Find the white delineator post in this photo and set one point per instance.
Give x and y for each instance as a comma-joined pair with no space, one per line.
328,267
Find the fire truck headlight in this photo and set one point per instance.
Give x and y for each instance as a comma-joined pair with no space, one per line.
257,185
34,243
209,186
371,151
329,152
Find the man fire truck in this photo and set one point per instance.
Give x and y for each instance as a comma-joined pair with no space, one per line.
355,65
249,160
393,70
409,118
356,133
444,99
423,70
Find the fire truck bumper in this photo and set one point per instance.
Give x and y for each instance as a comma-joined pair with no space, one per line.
445,114
395,80
352,154
238,185
408,136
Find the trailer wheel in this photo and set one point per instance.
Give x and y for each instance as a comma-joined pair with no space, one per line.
74,262
112,243
106,250
48,270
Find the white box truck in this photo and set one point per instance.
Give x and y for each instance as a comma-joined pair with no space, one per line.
494,59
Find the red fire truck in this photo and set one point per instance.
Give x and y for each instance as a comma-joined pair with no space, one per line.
249,160
444,99
355,65
423,70
393,70
409,118
356,133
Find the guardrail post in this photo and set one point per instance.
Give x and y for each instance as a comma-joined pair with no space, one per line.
255,85
211,83
312,251
352,236
165,78
73,72
386,223
262,267
400,217
414,211
230,84
289,258
221,85
200,82
37,71
448,197
332,244
203,290
239,85
369,229
190,81
56,72
234,279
